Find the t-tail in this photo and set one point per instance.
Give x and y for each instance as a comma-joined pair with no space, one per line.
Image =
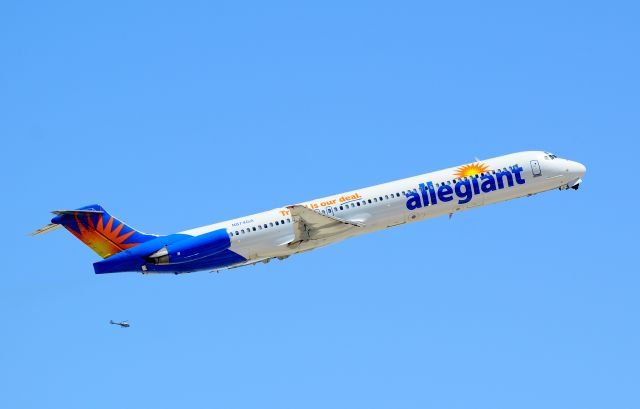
96,228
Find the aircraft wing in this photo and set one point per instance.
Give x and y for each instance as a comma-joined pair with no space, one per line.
311,225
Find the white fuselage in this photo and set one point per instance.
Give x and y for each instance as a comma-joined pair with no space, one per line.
269,234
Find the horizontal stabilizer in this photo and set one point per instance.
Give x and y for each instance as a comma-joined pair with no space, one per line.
74,212
53,226
46,229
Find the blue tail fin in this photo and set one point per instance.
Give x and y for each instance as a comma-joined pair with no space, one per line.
96,228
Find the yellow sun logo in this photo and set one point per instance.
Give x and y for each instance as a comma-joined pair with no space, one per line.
105,240
471,169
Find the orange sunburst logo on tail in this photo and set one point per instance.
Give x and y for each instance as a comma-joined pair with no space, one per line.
105,240
471,170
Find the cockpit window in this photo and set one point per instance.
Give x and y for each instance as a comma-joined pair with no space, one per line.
551,156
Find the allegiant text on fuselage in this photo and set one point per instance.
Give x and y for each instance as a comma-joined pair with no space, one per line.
464,189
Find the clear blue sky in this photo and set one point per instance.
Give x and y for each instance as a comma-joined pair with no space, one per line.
177,115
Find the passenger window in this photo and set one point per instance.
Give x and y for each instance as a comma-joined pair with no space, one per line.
375,199
242,231
259,227
277,224
288,220
352,205
369,200
253,228
265,225
237,233
341,208
386,196
271,224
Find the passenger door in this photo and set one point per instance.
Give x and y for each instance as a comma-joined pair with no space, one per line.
535,168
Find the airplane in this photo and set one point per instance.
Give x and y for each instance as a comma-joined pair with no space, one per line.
123,324
297,228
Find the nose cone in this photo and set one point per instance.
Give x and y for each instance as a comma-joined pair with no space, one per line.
577,169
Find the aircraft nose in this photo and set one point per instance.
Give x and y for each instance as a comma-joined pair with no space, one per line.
577,169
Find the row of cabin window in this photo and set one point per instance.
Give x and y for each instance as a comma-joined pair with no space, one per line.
447,182
364,202
260,227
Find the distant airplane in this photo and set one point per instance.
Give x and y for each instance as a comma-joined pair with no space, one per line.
123,324
282,232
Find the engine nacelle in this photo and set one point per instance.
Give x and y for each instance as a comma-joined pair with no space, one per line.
192,248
